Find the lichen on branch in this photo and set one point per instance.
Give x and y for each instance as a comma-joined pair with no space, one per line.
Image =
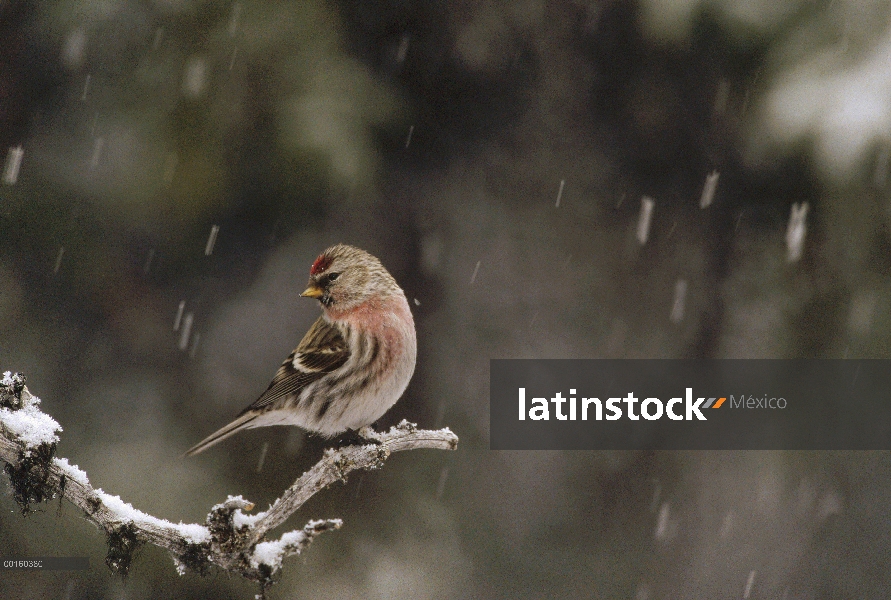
229,538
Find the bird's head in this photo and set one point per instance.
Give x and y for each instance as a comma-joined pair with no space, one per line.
344,277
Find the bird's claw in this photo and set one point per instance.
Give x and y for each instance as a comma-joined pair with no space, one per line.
358,437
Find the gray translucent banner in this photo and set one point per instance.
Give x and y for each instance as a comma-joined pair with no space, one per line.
46,563
690,404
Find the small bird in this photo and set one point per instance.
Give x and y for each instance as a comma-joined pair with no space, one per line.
354,362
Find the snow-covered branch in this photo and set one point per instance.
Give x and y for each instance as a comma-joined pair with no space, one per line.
229,538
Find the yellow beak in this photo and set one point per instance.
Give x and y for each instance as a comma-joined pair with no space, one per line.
313,291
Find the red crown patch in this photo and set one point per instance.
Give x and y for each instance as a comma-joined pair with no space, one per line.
321,263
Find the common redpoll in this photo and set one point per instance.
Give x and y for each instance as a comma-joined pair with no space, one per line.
353,363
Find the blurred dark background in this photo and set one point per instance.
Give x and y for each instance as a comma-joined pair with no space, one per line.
495,156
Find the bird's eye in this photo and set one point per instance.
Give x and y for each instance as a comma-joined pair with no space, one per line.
333,276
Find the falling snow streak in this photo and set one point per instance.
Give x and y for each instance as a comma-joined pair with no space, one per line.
13,164
680,297
234,18
657,494
796,231
83,95
417,302
263,451
440,487
475,271
211,240
195,77
726,525
402,51
295,441
159,35
647,205
59,260
862,313
662,522
74,49
186,331
440,414
98,145
671,231
232,60
560,193
411,130
179,315
195,339
709,189
749,584
148,261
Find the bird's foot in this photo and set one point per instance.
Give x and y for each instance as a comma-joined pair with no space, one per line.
371,436
358,437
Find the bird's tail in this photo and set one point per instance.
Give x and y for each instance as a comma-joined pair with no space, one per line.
245,421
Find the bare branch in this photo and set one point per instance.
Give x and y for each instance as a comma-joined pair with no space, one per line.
336,464
229,538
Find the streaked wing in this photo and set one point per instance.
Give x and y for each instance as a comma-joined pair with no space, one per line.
322,350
